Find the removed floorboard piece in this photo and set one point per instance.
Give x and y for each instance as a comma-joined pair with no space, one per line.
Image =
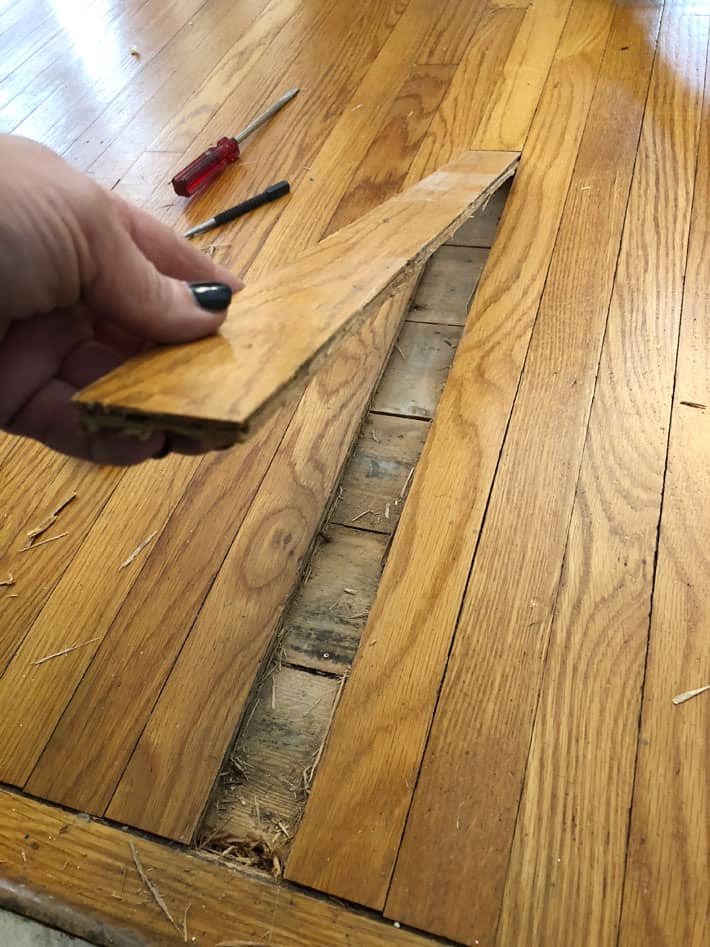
281,329
667,881
380,730
81,876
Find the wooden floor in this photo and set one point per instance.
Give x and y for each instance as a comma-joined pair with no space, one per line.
505,764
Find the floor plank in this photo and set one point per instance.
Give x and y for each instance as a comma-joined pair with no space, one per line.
325,620
425,576
80,874
414,384
380,471
502,637
666,890
241,613
291,322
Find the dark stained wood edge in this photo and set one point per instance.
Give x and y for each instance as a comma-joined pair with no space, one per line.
79,875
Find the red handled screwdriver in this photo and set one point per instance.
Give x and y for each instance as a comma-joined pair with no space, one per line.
214,160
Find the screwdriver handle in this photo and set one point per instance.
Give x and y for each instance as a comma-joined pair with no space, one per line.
206,167
272,193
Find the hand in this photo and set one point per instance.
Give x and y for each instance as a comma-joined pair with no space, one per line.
87,280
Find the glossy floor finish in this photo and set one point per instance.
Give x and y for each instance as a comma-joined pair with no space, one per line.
506,765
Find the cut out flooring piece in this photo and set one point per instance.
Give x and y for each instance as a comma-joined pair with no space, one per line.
282,328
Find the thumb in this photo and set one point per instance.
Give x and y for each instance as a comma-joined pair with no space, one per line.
129,290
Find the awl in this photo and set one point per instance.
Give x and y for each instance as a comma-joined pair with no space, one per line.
272,193
214,160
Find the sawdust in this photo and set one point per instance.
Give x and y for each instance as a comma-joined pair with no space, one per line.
252,851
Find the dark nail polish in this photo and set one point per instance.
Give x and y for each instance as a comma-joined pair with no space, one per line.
211,295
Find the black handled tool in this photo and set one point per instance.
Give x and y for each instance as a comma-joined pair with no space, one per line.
272,193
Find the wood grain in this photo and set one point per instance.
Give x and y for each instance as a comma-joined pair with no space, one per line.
449,281
379,732
418,373
380,471
325,620
667,881
80,876
220,388
503,632
235,627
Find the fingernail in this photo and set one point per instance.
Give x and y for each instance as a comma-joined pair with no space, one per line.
211,295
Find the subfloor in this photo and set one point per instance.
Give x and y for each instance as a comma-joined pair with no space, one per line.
415,647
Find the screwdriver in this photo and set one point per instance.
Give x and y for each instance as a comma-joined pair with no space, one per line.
214,160
272,193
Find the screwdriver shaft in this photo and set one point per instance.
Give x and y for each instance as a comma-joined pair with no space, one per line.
265,116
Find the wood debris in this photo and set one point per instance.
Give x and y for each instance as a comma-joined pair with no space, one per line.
49,520
152,888
375,438
184,923
10,580
242,943
135,52
406,483
688,695
404,357
694,404
58,654
350,591
359,515
253,851
138,550
43,542
387,511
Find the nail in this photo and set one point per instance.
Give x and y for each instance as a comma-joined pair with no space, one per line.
211,295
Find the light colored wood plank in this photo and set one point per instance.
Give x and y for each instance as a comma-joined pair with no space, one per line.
80,876
503,633
449,282
416,376
221,387
239,617
382,171
81,608
667,880
324,621
424,580
97,702
379,472
263,787
106,68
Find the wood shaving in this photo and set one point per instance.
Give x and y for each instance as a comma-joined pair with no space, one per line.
364,513
49,520
694,404
375,438
242,943
406,483
58,654
688,695
184,923
404,357
138,550
152,888
350,591
10,580
43,542
387,511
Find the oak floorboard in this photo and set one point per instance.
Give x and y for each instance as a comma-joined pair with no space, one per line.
379,732
502,636
667,879
80,875
235,627
221,388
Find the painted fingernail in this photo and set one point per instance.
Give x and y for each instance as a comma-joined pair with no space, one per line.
211,295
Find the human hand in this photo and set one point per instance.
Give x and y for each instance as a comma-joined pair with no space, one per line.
88,280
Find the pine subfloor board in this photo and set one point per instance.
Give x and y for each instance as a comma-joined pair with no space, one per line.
667,881
504,628
81,876
348,841
452,275
106,68
240,615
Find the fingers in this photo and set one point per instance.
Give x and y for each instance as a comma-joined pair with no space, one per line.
173,255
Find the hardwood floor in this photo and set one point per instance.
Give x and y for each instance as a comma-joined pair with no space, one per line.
505,764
